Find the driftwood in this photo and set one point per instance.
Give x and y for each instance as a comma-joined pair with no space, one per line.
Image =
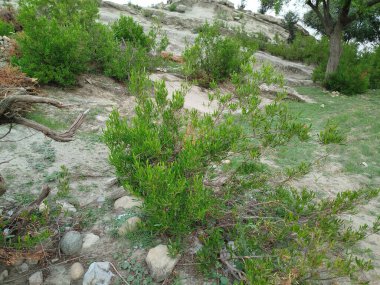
7,116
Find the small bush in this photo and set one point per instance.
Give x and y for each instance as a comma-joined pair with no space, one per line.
127,30
351,77
373,61
54,45
172,7
213,57
331,134
5,28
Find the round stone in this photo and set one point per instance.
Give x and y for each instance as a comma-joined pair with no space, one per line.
76,271
71,243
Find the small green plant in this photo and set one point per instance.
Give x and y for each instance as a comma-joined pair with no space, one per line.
5,28
330,134
127,30
213,57
172,7
63,183
53,45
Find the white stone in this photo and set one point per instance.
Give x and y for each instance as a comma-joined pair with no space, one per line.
89,240
67,207
99,273
159,262
181,8
42,207
226,161
24,267
130,225
36,278
3,275
127,202
76,271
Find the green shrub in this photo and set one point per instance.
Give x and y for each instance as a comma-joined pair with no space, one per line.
126,29
331,134
5,28
172,7
286,236
306,49
373,62
54,45
164,153
352,75
213,57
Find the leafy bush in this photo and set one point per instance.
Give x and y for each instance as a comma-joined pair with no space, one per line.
330,134
373,61
164,153
286,236
352,75
213,57
303,48
54,45
5,28
127,30
172,7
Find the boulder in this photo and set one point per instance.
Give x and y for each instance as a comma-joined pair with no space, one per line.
129,225
71,243
89,240
181,8
127,202
36,278
99,273
159,262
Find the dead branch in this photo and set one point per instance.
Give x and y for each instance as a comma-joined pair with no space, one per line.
60,137
32,206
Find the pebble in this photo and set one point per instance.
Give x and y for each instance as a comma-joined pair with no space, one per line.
36,278
89,240
159,262
76,271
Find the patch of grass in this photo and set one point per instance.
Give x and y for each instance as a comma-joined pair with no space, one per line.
358,120
43,119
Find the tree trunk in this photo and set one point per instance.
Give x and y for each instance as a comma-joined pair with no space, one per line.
335,50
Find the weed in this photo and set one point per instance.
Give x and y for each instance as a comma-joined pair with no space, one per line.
331,134
172,7
63,182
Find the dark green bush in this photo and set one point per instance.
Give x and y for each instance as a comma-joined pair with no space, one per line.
54,46
373,61
127,30
5,28
352,75
306,49
213,57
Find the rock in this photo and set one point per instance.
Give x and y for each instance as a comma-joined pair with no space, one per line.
181,8
42,207
36,278
127,202
159,262
99,273
227,3
226,161
58,276
130,225
291,93
89,240
71,243
3,275
76,271
67,207
101,118
24,267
